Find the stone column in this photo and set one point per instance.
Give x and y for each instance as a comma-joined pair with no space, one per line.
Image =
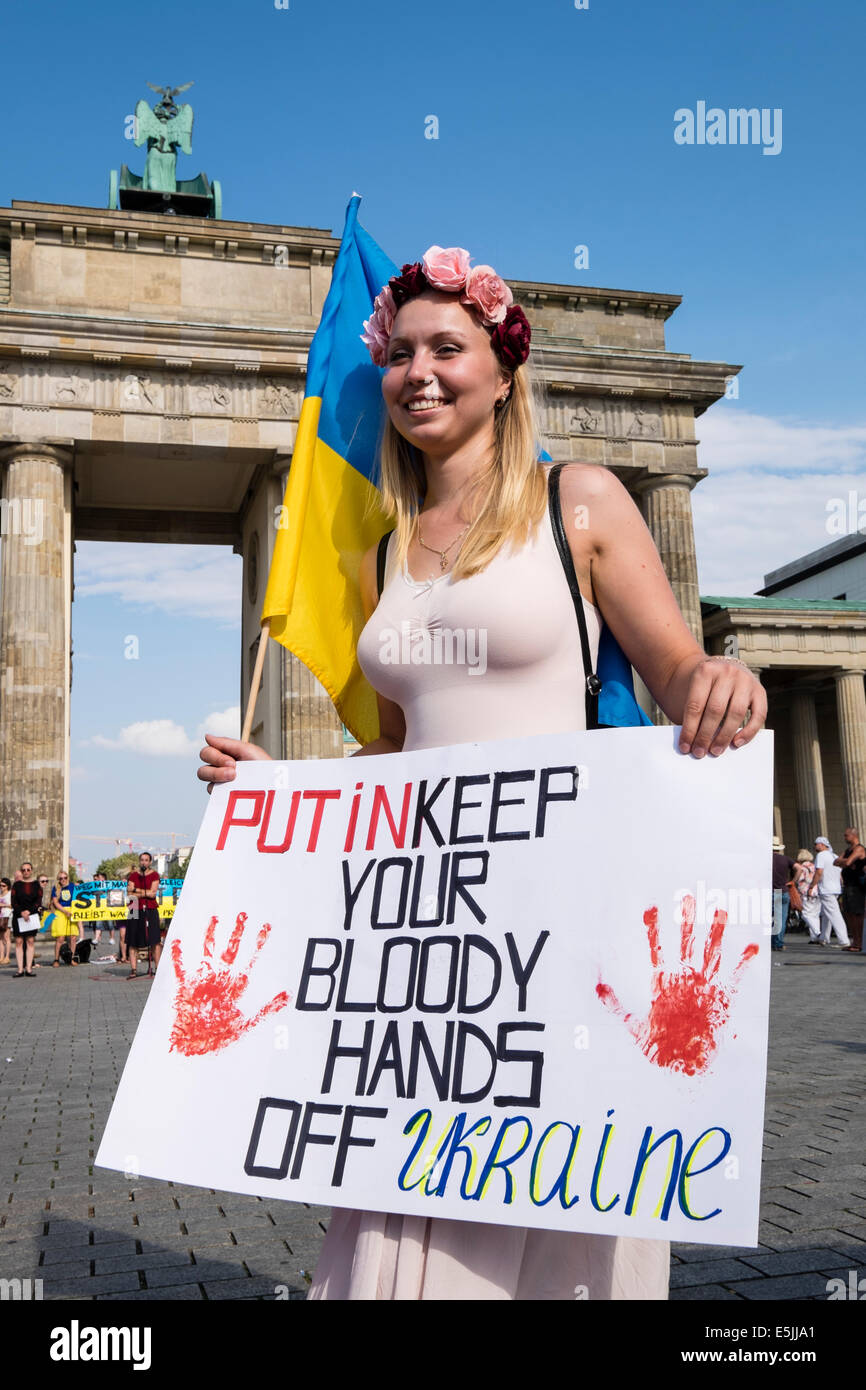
35,656
808,777
665,500
312,726
851,711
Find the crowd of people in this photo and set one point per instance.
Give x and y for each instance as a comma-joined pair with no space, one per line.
824,891
28,900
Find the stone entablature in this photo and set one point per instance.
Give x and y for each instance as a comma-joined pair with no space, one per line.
811,634
74,260
72,386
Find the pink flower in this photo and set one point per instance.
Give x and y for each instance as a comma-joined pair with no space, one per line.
386,308
446,267
488,292
375,340
378,326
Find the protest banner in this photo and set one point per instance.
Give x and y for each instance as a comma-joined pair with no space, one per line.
521,982
97,901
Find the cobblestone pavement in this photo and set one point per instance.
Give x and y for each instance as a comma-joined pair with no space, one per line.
90,1233
813,1192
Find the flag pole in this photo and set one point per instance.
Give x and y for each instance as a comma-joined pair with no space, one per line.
256,681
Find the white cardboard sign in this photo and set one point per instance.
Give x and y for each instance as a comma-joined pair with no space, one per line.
522,982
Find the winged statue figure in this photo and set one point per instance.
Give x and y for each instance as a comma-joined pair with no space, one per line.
166,127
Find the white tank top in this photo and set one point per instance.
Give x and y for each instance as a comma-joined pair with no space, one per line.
496,655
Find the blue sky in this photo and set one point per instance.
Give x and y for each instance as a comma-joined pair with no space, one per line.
556,128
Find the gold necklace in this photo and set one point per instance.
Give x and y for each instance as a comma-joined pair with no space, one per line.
443,554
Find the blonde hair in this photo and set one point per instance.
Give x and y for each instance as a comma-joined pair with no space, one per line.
512,486
805,856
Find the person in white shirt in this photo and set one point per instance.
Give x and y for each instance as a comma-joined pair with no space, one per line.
828,885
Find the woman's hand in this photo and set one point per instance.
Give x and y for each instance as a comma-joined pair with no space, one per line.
719,694
220,755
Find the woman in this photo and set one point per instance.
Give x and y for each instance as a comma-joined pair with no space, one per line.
5,918
26,905
62,927
810,911
473,548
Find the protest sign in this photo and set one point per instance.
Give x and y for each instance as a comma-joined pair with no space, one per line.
97,901
521,982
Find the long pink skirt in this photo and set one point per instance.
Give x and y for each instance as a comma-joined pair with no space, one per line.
376,1255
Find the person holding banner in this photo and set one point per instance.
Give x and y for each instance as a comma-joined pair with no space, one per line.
474,552
143,928
62,925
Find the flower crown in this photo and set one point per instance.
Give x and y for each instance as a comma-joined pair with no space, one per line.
447,268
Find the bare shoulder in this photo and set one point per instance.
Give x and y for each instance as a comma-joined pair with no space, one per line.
580,482
598,500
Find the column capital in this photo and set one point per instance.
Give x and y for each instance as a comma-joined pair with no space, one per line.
655,481
848,671
280,465
58,450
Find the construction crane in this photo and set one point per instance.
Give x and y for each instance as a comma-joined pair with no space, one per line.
105,839
151,834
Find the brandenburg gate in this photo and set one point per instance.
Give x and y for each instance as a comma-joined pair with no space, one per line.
151,374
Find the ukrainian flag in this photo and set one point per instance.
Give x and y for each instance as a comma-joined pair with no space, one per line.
332,512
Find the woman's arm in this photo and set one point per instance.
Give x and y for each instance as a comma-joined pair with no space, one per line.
632,590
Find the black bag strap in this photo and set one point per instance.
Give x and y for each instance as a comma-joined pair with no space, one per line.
593,684
381,556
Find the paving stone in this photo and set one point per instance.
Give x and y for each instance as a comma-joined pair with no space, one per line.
148,1260
89,1284
200,1273
710,1252
712,1271
793,1287
23,1263
242,1288
69,1252
711,1293
60,1275
187,1292
793,1261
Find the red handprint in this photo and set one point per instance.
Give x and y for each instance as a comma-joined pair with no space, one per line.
689,1008
207,1018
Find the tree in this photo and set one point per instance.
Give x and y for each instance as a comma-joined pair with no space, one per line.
118,867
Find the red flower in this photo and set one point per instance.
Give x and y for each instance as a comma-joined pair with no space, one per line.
408,283
511,338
